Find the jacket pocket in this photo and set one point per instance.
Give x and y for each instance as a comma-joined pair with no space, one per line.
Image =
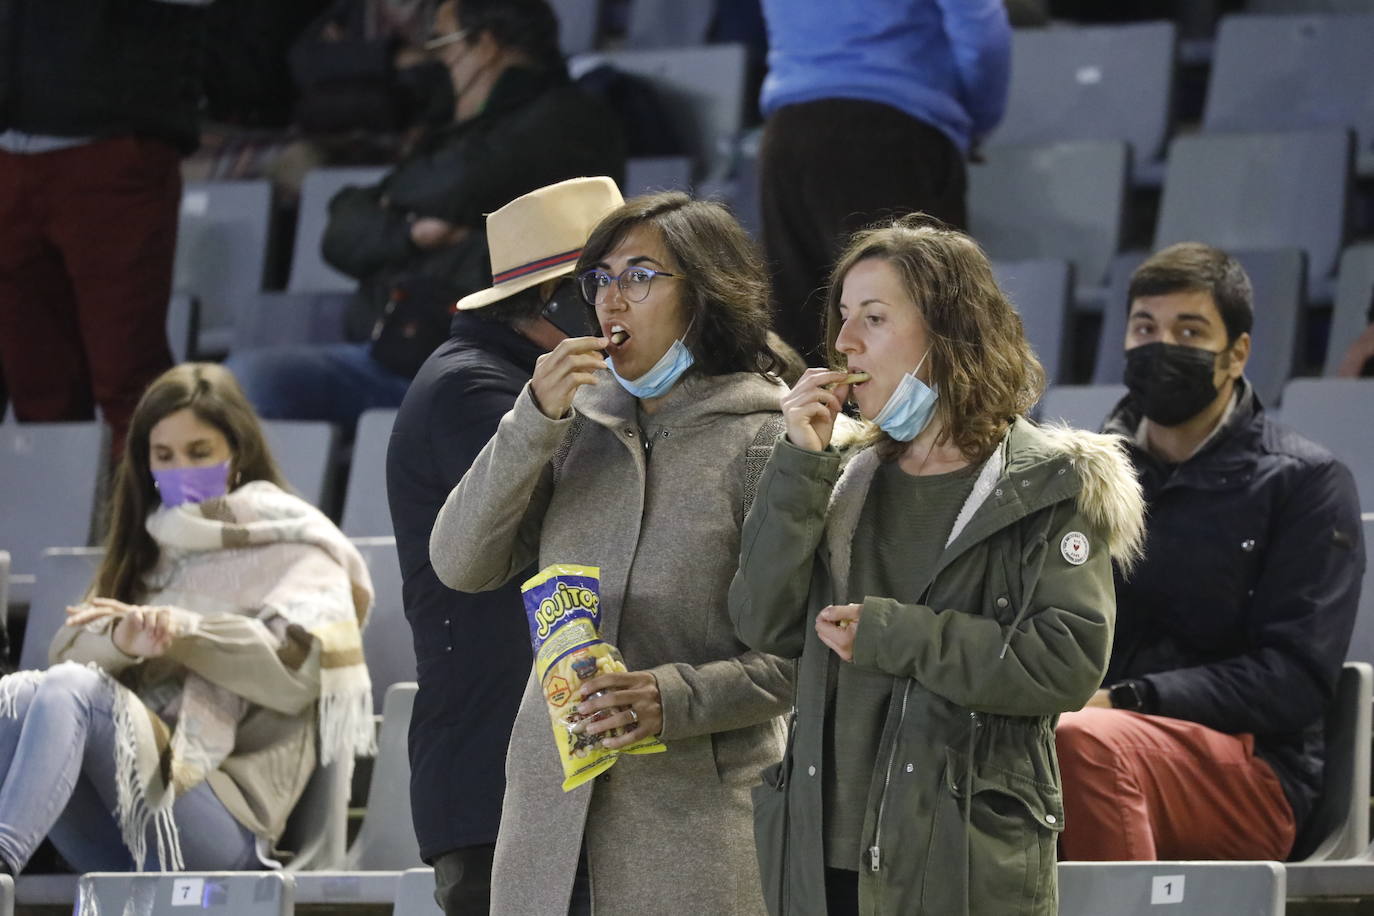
1012,826
770,834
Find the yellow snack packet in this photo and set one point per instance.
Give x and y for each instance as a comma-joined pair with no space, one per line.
563,605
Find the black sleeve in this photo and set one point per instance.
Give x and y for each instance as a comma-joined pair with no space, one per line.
363,237
1301,615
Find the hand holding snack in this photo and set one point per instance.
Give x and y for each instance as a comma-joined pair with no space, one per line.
560,372
634,704
836,625
564,611
810,408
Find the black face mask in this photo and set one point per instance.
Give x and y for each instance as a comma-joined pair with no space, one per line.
1170,382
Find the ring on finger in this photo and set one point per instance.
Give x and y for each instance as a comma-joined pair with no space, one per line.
634,716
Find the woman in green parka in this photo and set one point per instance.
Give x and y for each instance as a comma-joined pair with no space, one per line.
948,589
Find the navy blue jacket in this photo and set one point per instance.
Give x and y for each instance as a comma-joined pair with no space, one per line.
1240,615
472,650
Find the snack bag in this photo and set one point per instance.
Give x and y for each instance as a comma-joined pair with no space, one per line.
564,610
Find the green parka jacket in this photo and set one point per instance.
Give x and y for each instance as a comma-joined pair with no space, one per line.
964,804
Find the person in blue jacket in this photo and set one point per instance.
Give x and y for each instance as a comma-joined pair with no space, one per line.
871,109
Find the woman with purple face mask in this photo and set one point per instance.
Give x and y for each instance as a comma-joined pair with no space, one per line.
216,660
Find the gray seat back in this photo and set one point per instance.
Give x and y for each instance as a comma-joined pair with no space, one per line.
1079,406
701,88
1042,291
1362,639
366,511
668,23
415,894
387,642
304,450
1339,414
1279,280
173,893
1095,83
647,174
1354,302
309,272
1176,888
386,840
1064,200
1338,826
1260,191
63,576
223,239
49,474
578,25
277,318
1293,73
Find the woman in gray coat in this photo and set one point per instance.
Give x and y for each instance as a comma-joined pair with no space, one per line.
635,451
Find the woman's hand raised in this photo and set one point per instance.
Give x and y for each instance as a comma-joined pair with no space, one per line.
810,408
560,372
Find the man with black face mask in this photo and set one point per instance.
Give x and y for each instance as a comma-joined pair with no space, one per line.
1206,740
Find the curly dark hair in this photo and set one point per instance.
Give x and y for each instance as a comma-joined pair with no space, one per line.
726,285
979,357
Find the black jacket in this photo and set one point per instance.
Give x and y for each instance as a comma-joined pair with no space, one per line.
102,68
1240,615
473,650
537,128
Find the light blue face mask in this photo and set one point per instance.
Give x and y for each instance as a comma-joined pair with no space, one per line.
910,407
664,374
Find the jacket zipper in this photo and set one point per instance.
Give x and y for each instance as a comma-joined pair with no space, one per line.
875,851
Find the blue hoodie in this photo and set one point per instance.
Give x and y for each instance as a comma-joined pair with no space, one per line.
944,62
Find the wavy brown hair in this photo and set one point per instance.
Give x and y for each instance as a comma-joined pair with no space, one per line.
213,394
726,285
979,357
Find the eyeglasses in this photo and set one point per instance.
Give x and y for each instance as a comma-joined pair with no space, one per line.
634,283
442,41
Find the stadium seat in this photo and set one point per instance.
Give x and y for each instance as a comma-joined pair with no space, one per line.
1338,826
171,893
1362,639
578,25
6,895
1338,413
668,23
223,239
1041,290
1310,6
386,841
4,587
63,576
415,894
1066,200
316,832
1096,83
1176,888
1294,73
304,450
366,511
1254,191
309,272
387,642
1354,304
646,174
1079,406
269,319
48,475
701,88
183,326
1278,280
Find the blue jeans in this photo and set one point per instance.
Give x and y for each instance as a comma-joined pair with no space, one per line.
334,382
58,760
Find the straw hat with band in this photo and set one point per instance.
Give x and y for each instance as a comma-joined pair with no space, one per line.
540,236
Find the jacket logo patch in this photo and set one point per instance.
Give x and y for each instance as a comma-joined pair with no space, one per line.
1074,547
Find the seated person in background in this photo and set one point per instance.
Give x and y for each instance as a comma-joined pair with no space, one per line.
1207,740
518,124
218,644
473,650
1358,361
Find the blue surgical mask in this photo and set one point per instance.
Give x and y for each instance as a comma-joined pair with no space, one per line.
193,484
664,374
910,407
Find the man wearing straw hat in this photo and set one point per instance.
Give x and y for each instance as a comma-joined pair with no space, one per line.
473,649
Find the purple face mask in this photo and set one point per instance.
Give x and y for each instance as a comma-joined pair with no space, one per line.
192,485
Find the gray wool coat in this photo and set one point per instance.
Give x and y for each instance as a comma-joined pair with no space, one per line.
664,833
